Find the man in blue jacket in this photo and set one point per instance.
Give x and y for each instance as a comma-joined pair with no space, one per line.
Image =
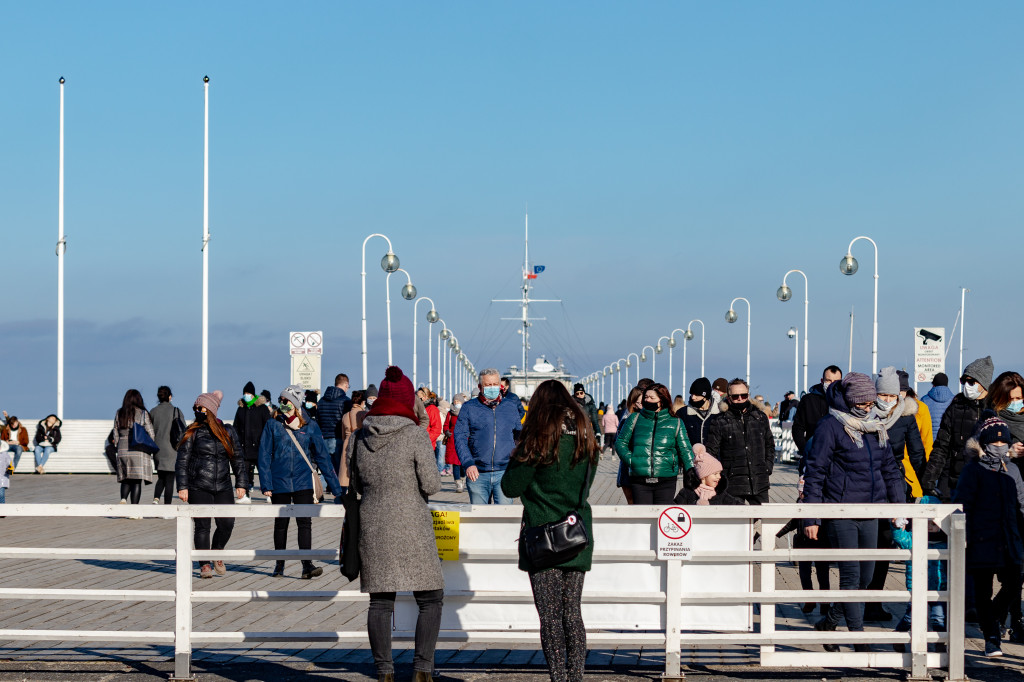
937,400
329,411
485,436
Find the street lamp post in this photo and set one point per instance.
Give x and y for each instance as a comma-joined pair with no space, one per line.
657,351
618,379
730,317
629,364
408,293
643,358
206,231
442,337
794,334
671,348
389,263
848,266
784,294
453,349
432,317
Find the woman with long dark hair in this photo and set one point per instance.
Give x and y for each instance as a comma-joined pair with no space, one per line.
654,446
207,456
548,470
133,466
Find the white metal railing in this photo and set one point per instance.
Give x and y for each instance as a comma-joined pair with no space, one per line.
657,607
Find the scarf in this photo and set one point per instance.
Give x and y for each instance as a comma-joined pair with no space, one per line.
292,422
491,403
704,494
890,418
250,403
1015,420
854,427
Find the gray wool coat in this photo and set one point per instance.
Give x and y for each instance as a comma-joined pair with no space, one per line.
163,417
394,470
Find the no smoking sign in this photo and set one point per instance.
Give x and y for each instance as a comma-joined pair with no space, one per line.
674,539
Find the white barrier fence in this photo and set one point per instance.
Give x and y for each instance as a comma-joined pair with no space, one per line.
631,598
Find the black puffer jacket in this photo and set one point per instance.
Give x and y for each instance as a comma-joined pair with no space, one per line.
811,409
905,438
947,458
203,463
743,442
249,423
688,494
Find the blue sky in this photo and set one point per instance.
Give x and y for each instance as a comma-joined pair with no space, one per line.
673,156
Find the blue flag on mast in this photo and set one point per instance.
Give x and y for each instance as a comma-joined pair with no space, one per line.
537,269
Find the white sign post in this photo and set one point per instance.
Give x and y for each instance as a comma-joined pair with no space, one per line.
306,350
674,539
929,353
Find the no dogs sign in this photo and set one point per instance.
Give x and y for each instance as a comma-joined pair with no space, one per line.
674,539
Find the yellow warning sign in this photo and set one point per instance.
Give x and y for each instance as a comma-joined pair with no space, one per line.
446,533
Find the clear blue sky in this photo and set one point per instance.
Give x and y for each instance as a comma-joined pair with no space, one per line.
673,156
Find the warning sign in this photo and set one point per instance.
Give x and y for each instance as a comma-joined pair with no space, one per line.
446,533
674,539
306,343
306,371
929,353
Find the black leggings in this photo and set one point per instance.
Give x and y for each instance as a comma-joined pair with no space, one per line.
992,609
660,493
801,541
885,541
563,636
201,537
131,490
165,485
281,523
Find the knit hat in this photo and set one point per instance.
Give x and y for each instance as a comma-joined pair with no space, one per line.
887,381
981,371
460,397
858,388
371,391
294,394
249,388
266,396
578,387
704,463
991,430
904,380
701,387
211,401
312,397
397,387
721,385
940,379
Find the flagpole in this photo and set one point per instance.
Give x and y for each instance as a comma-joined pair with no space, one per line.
206,230
60,263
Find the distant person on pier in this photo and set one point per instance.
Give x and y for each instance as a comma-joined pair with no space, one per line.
252,415
134,467
609,426
350,422
740,437
507,394
586,403
329,411
434,424
16,437
309,405
485,436
699,409
208,455
165,415
451,457
6,469
810,410
46,441
937,400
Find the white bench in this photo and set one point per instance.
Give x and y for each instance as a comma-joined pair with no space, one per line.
80,450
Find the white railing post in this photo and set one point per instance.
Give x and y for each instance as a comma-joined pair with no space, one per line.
183,596
673,618
768,542
955,578
919,601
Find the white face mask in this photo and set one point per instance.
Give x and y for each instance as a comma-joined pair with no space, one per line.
885,405
972,391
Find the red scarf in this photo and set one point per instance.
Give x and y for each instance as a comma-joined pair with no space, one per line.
389,407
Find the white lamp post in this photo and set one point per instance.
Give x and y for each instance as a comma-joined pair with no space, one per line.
443,336
61,248
794,334
432,317
629,364
657,351
453,347
784,294
618,369
389,263
689,336
730,317
643,358
848,266
408,293
206,230
963,311
671,348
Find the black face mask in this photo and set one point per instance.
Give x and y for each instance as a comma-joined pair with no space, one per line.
697,403
652,406
200,415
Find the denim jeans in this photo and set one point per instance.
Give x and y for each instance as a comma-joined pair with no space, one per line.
439,450
487,488
332,450
853,575
43,453
3,495
456,471
16,451
428,624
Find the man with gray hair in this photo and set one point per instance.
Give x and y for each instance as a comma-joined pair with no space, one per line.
485,437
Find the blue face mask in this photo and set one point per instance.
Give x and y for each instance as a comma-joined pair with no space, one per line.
492,392
1015,406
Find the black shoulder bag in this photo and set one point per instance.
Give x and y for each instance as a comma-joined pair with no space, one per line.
177,428
557,542
350,561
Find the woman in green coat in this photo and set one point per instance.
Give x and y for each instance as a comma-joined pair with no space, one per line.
653,445
549,471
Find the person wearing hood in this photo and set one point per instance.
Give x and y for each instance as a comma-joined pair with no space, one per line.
46,441
698,410
609,425
851,461
451,457
937,400
329,411
252,415
289,447
587,404
309,405
713,487
719,389
165,417
740,436
654,447
393,468
810,410
209,453
992,494
958,422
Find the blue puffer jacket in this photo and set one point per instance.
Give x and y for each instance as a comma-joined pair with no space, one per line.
937,400
838,471
283,470
330,409
485,437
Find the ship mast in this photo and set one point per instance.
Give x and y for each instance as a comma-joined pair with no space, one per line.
525,302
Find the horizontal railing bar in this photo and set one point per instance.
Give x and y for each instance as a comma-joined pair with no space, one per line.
90,553
848,659
498,636
86,595
460,595
799,596
161,636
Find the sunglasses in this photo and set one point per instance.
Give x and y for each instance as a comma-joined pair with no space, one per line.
967,381
738,396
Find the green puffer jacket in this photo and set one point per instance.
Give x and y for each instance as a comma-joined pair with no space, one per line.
654,444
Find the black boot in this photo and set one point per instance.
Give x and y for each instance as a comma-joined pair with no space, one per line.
310,571
1017,631
825,625
386,677
421,676
278,570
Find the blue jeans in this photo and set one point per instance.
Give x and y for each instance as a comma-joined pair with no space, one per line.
439,453
16,451
853,575
43,453
487,488
3,495
332,450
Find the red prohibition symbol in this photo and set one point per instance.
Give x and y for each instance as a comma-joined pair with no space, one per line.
674,523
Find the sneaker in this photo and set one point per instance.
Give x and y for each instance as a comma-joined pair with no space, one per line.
156,500
268,500
205,571
824,625
219,567
123,501
40,470
992,648
244,499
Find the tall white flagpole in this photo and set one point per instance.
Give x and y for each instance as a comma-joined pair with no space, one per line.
206,231
60,263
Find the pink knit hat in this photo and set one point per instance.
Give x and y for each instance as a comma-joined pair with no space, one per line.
211,401
703,463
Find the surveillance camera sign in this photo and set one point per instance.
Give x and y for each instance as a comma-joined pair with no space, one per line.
929,353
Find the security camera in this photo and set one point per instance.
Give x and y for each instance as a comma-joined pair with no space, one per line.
928,336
